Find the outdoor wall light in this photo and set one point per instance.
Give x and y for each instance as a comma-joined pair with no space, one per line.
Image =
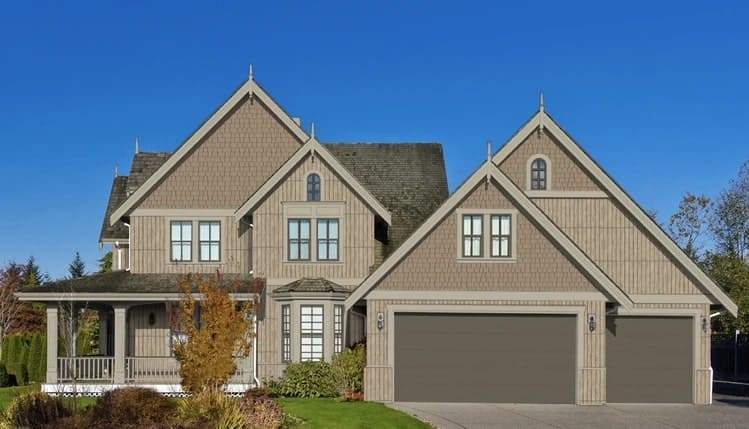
151,319
591,322
380,321
704,324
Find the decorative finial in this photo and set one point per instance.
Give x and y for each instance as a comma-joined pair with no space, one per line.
488,160
312,130
116,171
251,74
137,145
541,101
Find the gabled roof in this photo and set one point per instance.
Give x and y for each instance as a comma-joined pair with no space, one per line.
249,88
144,166
489,171
313,146
408,178
616,192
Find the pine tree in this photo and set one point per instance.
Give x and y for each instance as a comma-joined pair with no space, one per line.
105,263
77,268
32,274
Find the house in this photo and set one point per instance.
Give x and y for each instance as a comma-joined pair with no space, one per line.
538,280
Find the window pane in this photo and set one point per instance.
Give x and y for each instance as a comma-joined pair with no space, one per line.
304,228
476,247
476,225
214,252
505,246
466,247
176,253
495,225
322,229
293,229
495,246
322,251
215,231
204,231
333,250
294,251
204,251
186,252
176,235
333,229
505,230
466,225
304,250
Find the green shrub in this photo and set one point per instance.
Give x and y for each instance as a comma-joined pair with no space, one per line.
4,379
35,357
306,380
24,375
11,349
348,370
132,407
211,408
35,410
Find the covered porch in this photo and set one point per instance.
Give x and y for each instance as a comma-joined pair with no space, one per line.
136,333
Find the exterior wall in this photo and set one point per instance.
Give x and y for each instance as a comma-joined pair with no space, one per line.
230,163
619,246
378,375
357,241
150,243
591,377
144,339
565,174
434,264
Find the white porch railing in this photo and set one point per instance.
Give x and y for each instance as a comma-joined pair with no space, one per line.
165,370
85,369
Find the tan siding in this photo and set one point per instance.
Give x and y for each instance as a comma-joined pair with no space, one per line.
229,164
269,342
591,376
144,339
434,264
150,243
565,173
357,228
623,250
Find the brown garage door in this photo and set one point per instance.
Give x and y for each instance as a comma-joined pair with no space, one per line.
649,359
484,358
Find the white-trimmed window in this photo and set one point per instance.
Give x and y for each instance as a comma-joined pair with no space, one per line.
337,328
313,187
181,240
210,241
299,237
327,239
501,236
311,332
286,333
539,173
472,235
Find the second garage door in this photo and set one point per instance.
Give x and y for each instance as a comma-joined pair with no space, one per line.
649,359
505,358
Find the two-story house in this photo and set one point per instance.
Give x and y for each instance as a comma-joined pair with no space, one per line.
538,280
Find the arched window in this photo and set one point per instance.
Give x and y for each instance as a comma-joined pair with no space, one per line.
313,187
538,174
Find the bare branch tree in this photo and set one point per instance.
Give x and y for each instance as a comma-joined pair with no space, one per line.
11,278
690,223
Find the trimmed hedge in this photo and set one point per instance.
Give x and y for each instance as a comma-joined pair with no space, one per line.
25,357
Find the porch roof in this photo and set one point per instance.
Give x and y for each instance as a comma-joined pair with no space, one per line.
124,285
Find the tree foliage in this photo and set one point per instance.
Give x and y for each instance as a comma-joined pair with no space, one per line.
11,278
105,263
77,267
689,224
207,350
32,274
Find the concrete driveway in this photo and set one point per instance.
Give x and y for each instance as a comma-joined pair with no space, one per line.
726,412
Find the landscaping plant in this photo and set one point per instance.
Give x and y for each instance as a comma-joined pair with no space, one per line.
34,410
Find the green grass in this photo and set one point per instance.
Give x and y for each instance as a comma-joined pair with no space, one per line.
7,394
332,414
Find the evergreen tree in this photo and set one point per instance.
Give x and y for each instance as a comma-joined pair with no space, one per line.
77,268
105,263
32,274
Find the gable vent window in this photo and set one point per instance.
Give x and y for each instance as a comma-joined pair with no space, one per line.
500,235
181,238
313,187
472,240
210,241
538,174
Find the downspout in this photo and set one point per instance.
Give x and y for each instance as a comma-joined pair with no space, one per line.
128,245
710,401
254,352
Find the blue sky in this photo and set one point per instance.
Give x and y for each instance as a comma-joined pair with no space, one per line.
655,91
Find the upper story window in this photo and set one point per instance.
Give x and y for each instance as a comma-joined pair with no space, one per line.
311,332
181,240
539,174
472,235
501,236
299,237
313,187
327,239
487,235
210,241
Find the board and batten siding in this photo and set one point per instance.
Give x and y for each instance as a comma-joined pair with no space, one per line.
150,246
145,339
229,164
356,242
539,265
618,245
269,364
564,173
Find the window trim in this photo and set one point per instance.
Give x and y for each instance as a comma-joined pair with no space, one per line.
529,173
307,185
499,236
209,241
338,317
472,236
286,333
313,211
327,238
299,239
182,242
486,235
312,335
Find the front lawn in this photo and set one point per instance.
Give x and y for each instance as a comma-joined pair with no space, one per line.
7,394
333,414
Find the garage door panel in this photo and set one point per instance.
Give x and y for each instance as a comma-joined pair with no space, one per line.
485,358
649,359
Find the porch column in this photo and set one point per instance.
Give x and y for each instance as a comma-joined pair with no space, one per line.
52,331
120,334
